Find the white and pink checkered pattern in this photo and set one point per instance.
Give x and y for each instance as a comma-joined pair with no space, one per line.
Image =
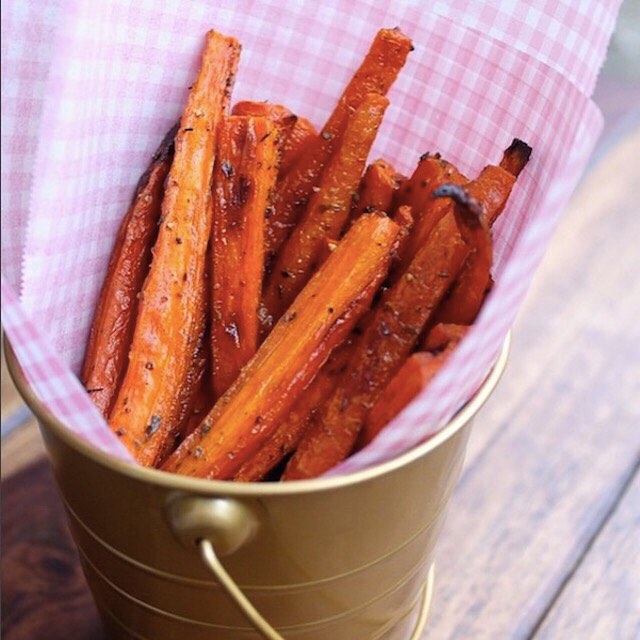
89,88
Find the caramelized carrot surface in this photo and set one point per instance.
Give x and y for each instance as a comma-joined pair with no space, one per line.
318,321
376,191
465,299
328,209
167,328
294,144
105,360
390,333
443,334
288,434
277,113
243,180
376,74
414,375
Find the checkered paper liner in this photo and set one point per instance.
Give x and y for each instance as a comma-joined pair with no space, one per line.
90,88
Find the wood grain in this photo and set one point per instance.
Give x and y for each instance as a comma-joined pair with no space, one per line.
602,599
44,594
556,444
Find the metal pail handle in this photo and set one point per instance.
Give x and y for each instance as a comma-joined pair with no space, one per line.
219,527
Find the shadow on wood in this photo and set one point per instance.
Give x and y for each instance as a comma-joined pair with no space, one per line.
44,593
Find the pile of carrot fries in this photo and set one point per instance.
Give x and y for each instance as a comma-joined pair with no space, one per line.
271,302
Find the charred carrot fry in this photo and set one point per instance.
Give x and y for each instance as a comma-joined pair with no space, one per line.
320,319
414,375
289,433
244,177
377,188
328,209
105,360
494,184
443,334
294,144
376,74
166,326
390,333
463,303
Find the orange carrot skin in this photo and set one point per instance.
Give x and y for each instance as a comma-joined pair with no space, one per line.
328,209
105,360
463,303
432,171
284,119
390,333
376,74
414,375
295,143
244,178
319,320
167,328
377,189
289,433
442,335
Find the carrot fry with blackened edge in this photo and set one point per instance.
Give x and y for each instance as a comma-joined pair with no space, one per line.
376,191
376,74
319,320
462,304
243,180
105,360
328,209
493,185
166,326
414,375
390,333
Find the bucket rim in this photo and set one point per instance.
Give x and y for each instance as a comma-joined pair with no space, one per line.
202,486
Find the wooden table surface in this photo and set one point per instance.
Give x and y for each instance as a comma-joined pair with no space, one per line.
542,538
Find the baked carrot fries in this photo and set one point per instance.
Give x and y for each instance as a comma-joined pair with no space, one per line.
390,334
243,181
112,329
167,325
272,302
319,320
328,208
376,74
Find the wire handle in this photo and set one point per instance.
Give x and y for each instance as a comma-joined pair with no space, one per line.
209,557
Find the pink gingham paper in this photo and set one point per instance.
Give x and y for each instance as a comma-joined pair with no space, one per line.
89,88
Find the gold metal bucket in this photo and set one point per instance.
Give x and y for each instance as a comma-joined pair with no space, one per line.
340,558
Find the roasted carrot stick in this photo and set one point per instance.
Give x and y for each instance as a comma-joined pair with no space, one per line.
328,209
289,433
243,180
431,171
294,144
166,326
105,360
277,113
494,184
414,375
376,74
463,303
376,191
390,333
490,192
319,320
295,132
